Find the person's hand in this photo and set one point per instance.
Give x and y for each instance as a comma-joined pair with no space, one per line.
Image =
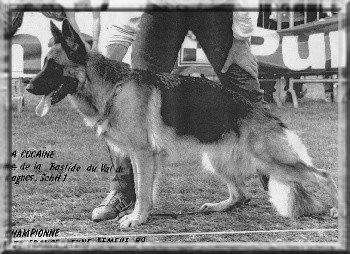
191,35
241,54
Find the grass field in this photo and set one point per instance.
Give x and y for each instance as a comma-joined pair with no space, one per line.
68,205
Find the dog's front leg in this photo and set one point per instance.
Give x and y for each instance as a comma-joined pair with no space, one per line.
144,169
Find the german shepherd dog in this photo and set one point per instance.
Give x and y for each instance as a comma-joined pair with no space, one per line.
158,118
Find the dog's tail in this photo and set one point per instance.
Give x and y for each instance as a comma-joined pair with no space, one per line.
291,199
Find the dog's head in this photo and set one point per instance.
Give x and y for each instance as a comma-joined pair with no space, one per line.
63,69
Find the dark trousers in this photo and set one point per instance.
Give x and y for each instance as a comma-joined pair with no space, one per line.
161,34
157,45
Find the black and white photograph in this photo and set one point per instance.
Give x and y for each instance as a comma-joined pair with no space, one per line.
174,125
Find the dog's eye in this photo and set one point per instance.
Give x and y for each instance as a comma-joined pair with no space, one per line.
53,66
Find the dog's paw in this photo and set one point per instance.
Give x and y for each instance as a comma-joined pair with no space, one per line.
131,220
210,207
225,205
334,213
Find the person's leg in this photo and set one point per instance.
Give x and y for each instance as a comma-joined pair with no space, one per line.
158,41
121,197
216,44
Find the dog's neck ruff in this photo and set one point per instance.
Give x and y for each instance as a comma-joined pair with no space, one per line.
101,124
103,76
93,101
109,71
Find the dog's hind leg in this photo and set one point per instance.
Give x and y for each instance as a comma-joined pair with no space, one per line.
287,182
234,180
325,181
238,197
286,160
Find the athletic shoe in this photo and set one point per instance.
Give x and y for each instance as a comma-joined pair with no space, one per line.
115,205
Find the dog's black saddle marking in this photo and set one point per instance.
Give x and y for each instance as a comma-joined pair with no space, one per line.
195,107
199,107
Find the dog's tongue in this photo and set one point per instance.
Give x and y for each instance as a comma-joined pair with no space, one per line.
43,106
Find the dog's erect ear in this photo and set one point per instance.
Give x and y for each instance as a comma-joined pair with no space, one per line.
56,33
72,43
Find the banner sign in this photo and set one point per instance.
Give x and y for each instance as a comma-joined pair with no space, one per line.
317,49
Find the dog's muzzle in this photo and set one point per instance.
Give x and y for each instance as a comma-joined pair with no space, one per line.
54,92
30,89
